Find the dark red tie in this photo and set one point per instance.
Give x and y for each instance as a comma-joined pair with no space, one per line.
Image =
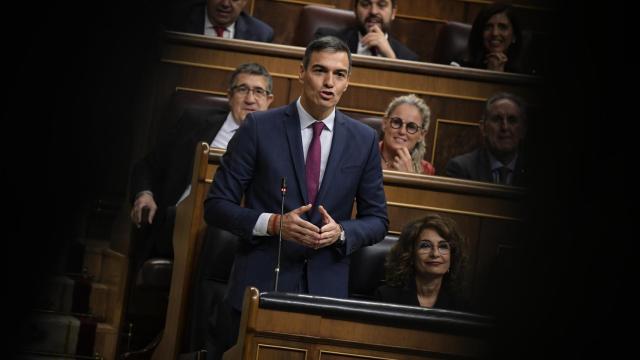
219,30
312,168
374,51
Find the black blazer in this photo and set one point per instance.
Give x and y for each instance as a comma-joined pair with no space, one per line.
189,17
408,295
350,37
476,166
166,171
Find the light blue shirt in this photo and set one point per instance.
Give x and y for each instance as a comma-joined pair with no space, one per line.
496,165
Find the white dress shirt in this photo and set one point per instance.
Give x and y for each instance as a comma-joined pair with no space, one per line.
221,140
229,32
306,131
225,133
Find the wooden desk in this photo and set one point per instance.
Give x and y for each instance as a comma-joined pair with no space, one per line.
292,326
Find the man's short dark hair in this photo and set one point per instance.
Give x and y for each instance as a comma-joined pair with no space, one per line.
251,69
394,3
325,43
520,103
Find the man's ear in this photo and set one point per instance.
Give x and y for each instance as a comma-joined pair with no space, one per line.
301,73
481,126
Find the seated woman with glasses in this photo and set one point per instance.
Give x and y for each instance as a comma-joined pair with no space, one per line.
424,267
404,127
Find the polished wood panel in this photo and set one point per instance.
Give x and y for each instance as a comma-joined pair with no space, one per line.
328,335
187,236
450,139
455,94
417,23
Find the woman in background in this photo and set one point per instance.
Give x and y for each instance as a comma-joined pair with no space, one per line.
495,41
404,127
424,268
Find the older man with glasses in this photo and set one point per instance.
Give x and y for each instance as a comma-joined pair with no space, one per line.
500,159
162,179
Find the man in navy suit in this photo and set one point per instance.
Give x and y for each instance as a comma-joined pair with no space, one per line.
221,18
371,36
161,179
318,235
500,160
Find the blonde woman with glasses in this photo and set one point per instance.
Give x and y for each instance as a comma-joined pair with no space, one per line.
404,127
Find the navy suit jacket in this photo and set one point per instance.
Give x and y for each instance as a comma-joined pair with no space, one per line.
350,37
166,171
267,147
476,166
247,27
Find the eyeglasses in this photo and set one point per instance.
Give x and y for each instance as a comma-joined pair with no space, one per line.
396,123
426,247
258,92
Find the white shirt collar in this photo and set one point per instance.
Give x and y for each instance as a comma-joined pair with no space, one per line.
307,120
229,33
496,164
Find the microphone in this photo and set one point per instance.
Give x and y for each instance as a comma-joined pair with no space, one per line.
283,190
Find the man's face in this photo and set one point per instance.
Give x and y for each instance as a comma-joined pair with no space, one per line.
375,12
248,94
324,81
224,12
504,128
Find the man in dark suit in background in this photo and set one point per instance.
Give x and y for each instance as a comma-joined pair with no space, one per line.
500,160
371,36
329,161
162,179
220,18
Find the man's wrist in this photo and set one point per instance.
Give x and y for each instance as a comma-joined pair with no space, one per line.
272,228
144,192
341,237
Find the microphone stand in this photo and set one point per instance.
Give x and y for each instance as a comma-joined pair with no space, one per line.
283,190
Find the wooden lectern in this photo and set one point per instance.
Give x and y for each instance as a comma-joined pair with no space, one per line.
296,326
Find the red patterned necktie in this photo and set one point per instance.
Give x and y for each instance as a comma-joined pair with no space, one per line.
219,30
312,167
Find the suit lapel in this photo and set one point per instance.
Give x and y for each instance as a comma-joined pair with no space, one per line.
292,128
352,40
485,168
241,27
335,155
214,124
